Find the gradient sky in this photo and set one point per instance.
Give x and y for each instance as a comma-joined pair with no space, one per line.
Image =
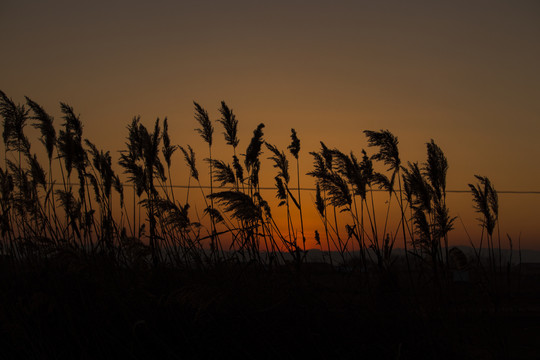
464,73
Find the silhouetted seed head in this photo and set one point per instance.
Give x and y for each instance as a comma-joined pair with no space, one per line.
348,167
229,122
319,201
383,182
485,202
142,161
239,204
254,148
150,153
189,156
134,143
70,141
317,238
337,190
134,170
103,164
20,180
72,122
45,125
168,149
320,171
254,177
262,204
37,172
106,172
174,216
436,169
327,155
421,191
343,164
93,150
366,167
239,171
406,187
95,186
281,192
72,207
491,195
207,129
422,228
280,162
443,222
358,179
130,159
222,172
117,184
388,147
8,111
214,214
14,120
294,147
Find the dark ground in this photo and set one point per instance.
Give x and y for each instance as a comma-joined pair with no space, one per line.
68,308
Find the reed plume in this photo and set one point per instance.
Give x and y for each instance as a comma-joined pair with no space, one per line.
486,203
230,124
207,129
15,118
168,149
223,173
240,205
70,141
294,147
44,123
436,169
253,150
189,156
238,170
388,148
280,162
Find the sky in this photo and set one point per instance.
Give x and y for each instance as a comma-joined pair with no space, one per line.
463,73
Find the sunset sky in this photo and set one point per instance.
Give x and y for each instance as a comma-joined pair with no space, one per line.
463,73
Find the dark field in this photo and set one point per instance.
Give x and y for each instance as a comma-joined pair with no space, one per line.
71,308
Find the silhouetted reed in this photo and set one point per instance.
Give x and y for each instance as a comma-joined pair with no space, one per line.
486,203
74,218
426,188
90,215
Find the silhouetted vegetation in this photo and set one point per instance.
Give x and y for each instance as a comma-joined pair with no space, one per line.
82,278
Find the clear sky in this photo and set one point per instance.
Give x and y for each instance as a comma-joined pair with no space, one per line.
464,73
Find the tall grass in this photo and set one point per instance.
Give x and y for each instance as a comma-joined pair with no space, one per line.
77,257
80,204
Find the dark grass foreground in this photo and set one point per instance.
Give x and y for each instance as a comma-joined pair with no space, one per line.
68,308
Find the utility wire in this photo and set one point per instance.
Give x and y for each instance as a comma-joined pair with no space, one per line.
522,192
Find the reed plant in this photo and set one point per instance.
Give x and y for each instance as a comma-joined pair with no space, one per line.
67,230
432,221
486,203
80,202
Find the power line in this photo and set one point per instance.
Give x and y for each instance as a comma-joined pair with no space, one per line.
518,192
